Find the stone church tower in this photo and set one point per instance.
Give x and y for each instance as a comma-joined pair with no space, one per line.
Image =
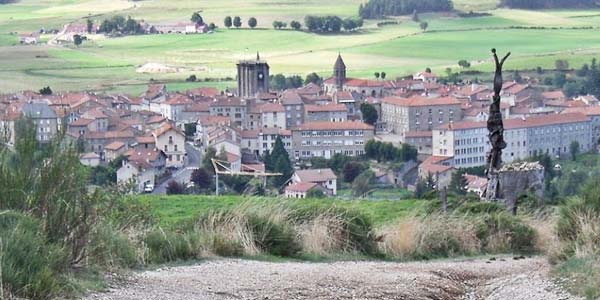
339,73
253,77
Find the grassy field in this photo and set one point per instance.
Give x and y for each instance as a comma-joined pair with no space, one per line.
170,210
110,64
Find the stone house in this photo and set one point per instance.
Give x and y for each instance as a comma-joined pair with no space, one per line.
171,141
323,177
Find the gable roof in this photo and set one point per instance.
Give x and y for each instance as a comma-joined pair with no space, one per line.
421,101
301,187
316,175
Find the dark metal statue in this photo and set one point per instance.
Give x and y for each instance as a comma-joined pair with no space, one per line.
496,133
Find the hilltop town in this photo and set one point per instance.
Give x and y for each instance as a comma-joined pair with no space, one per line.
161,135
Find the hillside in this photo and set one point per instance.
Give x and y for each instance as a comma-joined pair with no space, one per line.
536,38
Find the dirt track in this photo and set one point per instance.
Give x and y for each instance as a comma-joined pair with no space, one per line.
503,278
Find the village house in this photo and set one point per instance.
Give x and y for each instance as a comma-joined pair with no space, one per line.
300,190
330,112
323,177
114,150
422,140
294,108
233,107
425,76
29,38
439,168
171,141
142,168
262,141
418,113
324,139
272,115
172,108
90,159
45,119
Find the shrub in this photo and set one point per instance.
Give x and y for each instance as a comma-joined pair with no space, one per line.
168,246
31,267
111,248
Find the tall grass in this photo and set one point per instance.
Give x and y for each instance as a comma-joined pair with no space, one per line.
441,235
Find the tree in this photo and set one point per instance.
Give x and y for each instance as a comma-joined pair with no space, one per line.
428,70
424,25
559,80
362,183
295,25
174,188
237,22
383,75
539,70
376,74
561,64
279,24
315,193
279,161
90,25
464,63
574,149
415,16
517,77
191,78
212,26
227,22
369,113
313,78
458,183
252,22
583,71
46,91
572,89
352,170
197,18
77,40
207,159
190,129
202,178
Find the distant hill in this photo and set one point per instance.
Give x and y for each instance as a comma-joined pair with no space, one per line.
540,4
374,9
7,1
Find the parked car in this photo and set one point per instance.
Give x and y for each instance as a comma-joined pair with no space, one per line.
148,188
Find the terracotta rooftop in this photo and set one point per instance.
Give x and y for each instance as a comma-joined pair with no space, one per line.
316,175
325,108
270,107
81,122
114,146
301,187
421,101
325,125
417,134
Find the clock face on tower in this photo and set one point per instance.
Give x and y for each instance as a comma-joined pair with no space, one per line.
260,75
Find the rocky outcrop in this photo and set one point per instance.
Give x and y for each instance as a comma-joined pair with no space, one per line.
518,179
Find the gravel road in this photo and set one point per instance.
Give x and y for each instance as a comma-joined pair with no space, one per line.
501,278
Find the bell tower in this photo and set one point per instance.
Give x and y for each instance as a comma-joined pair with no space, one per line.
339,73
253,77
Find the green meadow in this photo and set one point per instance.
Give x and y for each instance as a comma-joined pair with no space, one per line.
399,49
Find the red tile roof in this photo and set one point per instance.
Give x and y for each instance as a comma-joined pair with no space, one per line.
325,108
270,107
433,165
416,134
421,101
325,125
114,146
316,175
301,187
588,111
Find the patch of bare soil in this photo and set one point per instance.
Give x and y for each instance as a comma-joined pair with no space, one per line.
503,278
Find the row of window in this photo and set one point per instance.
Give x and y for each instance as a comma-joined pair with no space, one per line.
323,153
333,143
332,133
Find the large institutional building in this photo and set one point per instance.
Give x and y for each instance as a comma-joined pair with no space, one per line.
467,142
325,139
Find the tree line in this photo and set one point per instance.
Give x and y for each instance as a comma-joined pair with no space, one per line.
538,4
331,24
387,152
281,82
375,9
119,24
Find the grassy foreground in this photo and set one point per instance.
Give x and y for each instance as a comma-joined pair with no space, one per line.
171,210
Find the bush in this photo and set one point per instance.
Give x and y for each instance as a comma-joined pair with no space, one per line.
169,246
111,248
174,188
273,236
31,267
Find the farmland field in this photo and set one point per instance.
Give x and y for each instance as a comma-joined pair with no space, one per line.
398,49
